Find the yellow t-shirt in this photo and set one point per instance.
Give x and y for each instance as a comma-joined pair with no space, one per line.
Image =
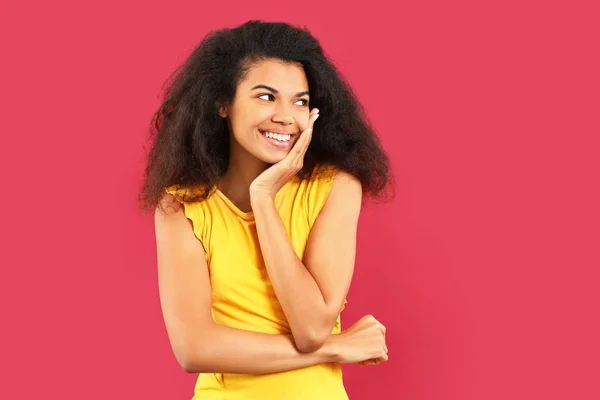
242,294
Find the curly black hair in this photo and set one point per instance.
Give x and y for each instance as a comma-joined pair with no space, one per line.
189,141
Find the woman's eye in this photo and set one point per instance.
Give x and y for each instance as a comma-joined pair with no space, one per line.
262,95
305,102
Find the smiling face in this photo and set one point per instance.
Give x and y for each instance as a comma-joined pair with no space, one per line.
269,111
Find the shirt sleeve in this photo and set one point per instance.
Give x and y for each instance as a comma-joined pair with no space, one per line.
192,211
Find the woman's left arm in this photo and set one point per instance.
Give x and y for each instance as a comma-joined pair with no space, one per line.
311,293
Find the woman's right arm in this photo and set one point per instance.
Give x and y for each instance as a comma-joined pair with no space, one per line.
200,344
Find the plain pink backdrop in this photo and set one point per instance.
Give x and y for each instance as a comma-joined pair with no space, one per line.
484,267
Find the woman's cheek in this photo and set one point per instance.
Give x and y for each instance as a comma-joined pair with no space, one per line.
302,119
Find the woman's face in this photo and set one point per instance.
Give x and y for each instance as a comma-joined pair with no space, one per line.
269,111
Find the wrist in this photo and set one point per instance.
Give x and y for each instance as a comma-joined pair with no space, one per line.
260,198
330,351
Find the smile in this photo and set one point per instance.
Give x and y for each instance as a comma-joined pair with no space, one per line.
280,141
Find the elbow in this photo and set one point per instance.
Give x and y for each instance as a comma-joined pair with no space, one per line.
190,367
311,340
196,355
195,365
188,362
194,360
311,337
309,346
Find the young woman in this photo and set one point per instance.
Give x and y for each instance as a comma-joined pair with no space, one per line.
256,212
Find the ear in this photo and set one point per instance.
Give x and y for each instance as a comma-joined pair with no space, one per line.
221,110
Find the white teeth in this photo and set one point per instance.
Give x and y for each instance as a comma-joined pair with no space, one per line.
281,138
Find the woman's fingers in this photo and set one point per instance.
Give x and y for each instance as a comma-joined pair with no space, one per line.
374,361
305,137
308,133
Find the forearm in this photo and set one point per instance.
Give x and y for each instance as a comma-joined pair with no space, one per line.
229,350
297,291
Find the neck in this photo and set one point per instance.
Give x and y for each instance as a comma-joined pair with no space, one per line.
242,170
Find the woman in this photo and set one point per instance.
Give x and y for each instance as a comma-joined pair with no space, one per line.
256,215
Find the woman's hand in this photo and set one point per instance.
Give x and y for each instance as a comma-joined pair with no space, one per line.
273,178
363,343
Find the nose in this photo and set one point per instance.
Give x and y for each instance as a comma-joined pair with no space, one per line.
282,115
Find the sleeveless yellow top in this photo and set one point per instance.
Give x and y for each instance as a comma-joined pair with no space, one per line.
242,294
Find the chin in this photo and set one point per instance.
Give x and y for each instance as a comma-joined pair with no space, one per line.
271,158
271,155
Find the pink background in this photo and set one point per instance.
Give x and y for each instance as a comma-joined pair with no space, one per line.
485,267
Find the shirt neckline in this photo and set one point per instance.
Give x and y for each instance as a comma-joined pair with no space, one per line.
248,216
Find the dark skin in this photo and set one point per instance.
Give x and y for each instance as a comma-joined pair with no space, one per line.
257,170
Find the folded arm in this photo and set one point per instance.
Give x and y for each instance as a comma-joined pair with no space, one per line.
200,344
311,292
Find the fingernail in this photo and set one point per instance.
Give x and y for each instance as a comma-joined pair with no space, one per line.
316,118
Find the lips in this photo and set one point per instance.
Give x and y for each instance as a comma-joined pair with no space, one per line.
276,143
279,131
292,135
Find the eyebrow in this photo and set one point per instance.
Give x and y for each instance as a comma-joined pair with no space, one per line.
299,94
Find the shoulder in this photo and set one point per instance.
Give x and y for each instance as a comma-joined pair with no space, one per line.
345,192
340,209
331,190
346,182
332,178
